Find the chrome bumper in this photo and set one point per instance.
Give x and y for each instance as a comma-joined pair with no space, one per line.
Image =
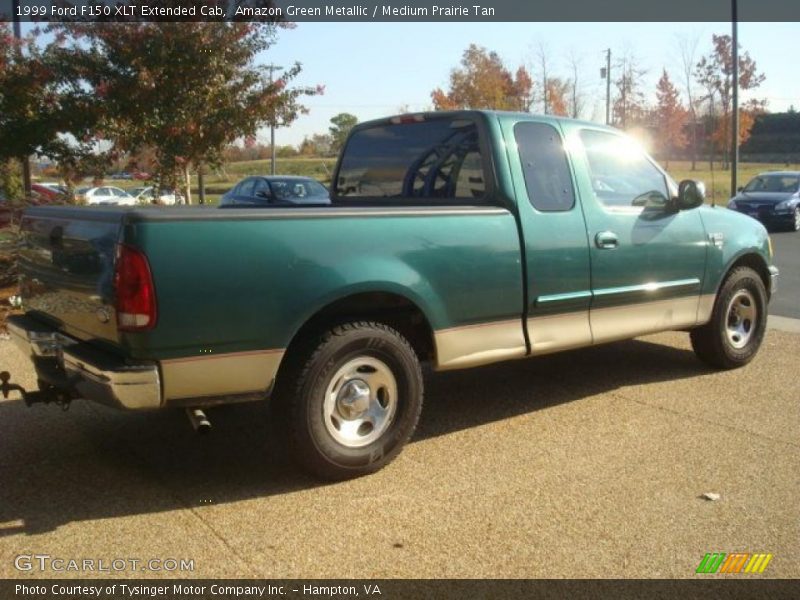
86,371
773,275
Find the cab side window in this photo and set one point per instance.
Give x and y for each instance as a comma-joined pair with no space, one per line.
545,167
622,175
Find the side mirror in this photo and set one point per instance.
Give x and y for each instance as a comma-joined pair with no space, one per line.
691,194
263,194
739,189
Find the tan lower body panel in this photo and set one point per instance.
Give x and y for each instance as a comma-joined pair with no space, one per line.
705,308
473,345
631,320
223,374
559,332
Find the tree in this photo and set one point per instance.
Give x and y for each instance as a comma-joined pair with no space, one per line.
541,57
747,118
688,51
319,144
576,98
715,73
629,104
557,92
483,81
670,117
186,89
521,90
43,110
341,125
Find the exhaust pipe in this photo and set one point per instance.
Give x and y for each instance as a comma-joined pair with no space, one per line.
199,420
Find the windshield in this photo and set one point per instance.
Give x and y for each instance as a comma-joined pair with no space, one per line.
82,190
786,184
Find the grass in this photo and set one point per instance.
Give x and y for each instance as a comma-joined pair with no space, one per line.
718,182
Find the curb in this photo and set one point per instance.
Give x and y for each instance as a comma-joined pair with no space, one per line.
783,324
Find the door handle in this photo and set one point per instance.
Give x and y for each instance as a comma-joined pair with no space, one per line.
606,240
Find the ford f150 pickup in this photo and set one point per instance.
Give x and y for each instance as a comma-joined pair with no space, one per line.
456,238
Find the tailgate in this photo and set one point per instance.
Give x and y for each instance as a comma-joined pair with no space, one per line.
66,262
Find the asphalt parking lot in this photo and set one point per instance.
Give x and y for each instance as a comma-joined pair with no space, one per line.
590,463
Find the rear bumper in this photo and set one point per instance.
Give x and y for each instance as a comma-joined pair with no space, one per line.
85,371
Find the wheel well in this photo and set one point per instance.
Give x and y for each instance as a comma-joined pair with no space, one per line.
393,310
757,263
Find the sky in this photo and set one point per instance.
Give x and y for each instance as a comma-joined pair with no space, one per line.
373,69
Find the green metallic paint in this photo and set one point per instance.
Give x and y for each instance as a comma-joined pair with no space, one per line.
239,303
742,236
655,246
554,243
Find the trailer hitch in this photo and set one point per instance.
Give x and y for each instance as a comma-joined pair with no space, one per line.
45,396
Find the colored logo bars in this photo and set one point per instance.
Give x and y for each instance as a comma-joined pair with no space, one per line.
738,562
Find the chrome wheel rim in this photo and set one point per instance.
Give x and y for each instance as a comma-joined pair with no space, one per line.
741,318
360,402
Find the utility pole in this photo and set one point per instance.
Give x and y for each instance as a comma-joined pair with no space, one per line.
272,68
26,166
735,115
608,86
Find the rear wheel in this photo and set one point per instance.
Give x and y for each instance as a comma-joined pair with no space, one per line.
734,334
352,400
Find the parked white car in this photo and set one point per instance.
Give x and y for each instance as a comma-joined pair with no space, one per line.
105,195
147,194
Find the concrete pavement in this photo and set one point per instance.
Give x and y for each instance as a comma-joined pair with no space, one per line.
590,463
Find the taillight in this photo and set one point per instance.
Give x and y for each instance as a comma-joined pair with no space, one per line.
136,296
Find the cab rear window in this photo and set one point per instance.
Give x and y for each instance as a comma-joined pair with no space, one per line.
430,161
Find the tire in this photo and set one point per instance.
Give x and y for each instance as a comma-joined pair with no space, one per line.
734,334
351,399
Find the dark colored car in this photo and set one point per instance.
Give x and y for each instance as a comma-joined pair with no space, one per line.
277,190
773,198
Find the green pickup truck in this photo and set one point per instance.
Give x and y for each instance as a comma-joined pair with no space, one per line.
454,238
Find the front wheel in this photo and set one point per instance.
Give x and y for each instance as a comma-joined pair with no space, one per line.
795,226
734,334
352,400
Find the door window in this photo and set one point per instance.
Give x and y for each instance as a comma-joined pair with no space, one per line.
622,175
261,190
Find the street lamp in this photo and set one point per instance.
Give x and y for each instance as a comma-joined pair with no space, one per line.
735,115
272,68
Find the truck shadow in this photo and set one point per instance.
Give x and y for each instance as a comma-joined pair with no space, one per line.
95,463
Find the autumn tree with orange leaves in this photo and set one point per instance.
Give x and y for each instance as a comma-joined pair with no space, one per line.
483,82
715,73
670,117
557,92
